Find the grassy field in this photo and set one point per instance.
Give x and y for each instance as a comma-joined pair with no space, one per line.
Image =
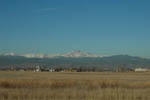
74,86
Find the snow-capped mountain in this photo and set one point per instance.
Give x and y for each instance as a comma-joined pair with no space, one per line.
9,54
34,55
73,54
79,54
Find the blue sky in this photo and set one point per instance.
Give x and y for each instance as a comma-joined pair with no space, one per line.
58,26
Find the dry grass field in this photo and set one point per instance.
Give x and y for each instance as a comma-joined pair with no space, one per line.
74,86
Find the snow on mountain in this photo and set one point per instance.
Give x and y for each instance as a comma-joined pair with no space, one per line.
73,54
34,55
79,54
9,54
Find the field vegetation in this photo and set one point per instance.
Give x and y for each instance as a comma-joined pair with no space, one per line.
74,86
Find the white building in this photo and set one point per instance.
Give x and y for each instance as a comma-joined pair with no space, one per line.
51,70
38,69
141,69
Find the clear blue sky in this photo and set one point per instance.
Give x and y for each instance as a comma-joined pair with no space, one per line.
58,26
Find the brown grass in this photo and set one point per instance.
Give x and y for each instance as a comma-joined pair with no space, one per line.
74,86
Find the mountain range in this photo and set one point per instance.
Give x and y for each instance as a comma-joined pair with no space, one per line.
73,54
72,60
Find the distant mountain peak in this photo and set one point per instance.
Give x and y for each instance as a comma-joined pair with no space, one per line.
9,54
72,54
78,54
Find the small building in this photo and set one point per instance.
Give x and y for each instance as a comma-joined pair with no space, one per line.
22,70
141,70
69,70
38,69
51,70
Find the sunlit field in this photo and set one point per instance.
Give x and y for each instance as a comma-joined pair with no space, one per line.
74,86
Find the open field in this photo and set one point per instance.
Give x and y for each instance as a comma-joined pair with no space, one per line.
74,86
